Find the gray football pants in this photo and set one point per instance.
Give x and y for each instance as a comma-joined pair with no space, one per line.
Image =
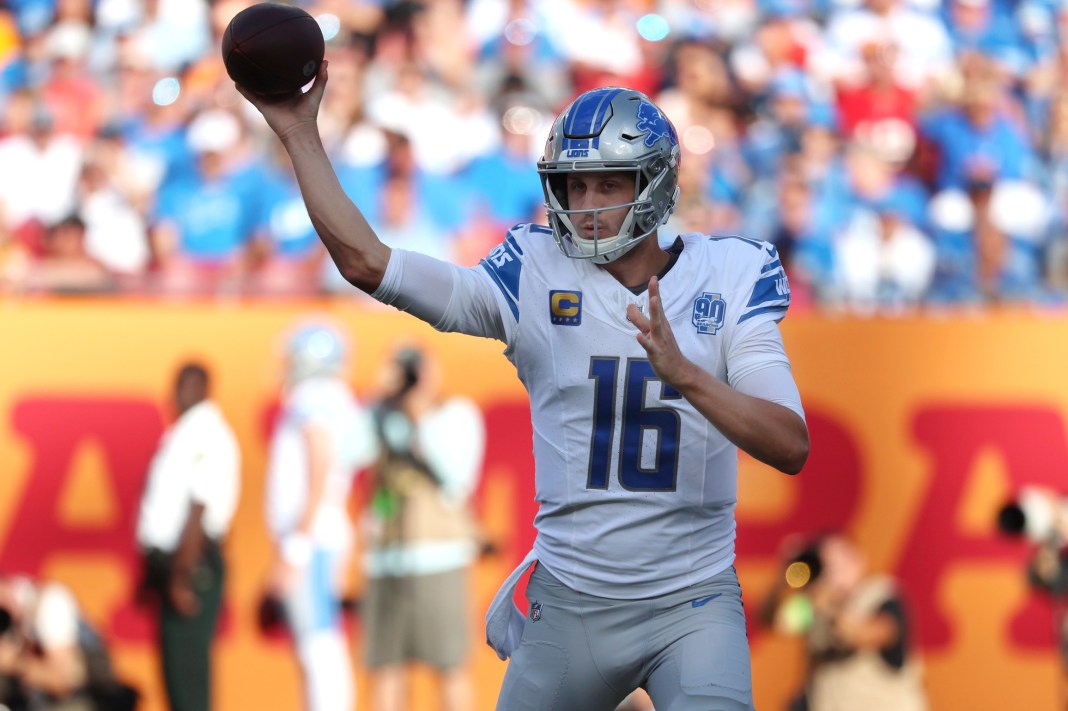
688,649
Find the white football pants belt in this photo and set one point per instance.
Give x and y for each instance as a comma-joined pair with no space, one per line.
504,621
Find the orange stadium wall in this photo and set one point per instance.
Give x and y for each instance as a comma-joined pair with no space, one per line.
921,428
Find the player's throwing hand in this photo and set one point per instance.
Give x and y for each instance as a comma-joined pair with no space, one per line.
658,340
286,114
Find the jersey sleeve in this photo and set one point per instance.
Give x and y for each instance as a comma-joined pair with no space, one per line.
486,297
772,382
447,296
769,296
761,298
311,404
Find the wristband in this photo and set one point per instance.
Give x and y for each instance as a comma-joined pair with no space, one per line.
297,549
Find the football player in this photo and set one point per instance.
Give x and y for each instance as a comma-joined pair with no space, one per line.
646,368
323,435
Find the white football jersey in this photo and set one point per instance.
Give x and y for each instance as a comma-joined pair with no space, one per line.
636,488
330,404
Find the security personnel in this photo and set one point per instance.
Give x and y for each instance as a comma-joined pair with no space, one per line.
188,504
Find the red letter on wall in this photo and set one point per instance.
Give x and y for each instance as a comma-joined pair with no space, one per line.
1031,441
127,431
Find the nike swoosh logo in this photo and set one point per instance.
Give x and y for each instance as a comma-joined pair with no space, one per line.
705,600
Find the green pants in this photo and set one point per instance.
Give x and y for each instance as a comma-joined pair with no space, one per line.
185,642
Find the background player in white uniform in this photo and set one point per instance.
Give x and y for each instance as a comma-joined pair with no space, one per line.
321,439
638,402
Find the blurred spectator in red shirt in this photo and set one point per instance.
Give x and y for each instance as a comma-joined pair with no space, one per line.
876,107
926,48
72,95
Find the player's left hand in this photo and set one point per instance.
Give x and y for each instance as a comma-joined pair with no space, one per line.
658,340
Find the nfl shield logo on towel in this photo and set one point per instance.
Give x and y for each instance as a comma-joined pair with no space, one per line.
535,611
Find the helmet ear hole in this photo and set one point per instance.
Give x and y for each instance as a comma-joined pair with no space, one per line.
558,185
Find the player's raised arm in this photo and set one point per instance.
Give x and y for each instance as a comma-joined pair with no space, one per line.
353,245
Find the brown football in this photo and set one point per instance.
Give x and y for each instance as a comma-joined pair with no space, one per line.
272,49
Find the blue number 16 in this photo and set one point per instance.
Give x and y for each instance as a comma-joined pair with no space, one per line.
636,421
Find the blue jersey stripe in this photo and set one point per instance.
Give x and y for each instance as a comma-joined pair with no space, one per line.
767,309
513,243
768,290
753,242
771,266
510,297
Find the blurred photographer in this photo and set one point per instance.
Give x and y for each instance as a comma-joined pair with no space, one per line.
424,537
51,659
1040,516
855,626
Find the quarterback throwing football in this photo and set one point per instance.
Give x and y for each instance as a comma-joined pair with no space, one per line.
646,369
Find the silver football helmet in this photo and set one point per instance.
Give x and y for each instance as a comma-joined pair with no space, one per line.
314,350
611,129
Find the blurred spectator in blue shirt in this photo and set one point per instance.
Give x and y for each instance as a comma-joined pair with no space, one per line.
1055,154
778,127
802,232
32,16
174,33
706,108
514,46
286,254
981,26
978,135
202,226
883,262
12,62
875,183
504,185
408,207
990,239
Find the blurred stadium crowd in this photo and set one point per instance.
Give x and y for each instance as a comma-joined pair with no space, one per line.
900,153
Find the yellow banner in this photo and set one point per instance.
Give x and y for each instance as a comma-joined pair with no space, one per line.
921,429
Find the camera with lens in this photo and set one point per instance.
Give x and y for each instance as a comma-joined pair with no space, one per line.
395,428
804,567
789,608
1034,514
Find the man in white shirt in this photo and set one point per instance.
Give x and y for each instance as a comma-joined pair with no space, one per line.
189,501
